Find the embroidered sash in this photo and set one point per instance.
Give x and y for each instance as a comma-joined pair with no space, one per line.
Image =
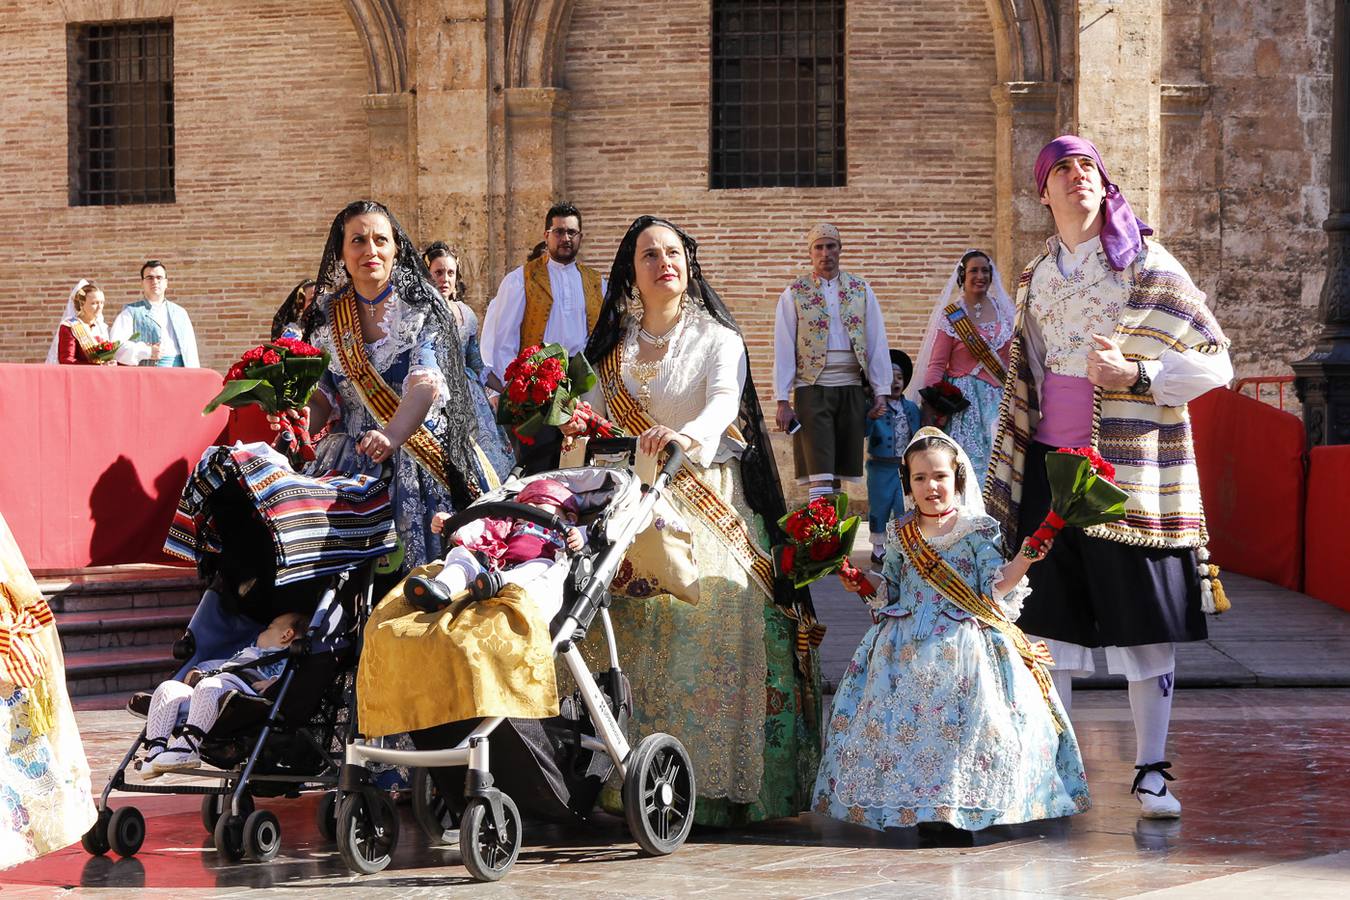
724,521
21,660
940,576
969,333
84,337
378,396
539,299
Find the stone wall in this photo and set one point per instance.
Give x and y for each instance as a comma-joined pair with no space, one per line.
271,139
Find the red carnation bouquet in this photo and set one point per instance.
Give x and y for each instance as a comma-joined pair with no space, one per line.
944,398
819,539
104,351
1082,494
279,376
544,387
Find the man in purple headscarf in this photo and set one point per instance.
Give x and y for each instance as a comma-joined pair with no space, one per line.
1113,340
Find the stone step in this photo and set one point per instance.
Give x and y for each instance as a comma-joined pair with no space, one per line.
106,588
116,670
153,627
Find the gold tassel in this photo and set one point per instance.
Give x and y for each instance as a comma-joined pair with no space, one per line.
41,708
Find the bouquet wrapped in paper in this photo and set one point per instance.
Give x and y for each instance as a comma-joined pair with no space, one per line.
544,387
819,540
278,376
1082,494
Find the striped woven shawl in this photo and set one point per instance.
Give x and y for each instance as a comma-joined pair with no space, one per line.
1150,445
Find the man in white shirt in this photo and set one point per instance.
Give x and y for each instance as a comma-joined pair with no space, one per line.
830,352
552,299
162,331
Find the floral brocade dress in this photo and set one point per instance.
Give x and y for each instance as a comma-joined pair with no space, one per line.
973,427
937,718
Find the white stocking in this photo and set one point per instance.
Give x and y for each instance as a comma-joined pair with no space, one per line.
204,708
1151,705
164,705
821,486
461,567
1064,687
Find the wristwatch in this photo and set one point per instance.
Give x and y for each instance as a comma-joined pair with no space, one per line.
1143,382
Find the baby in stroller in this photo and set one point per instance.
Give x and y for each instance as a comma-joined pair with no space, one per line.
518,549
202,689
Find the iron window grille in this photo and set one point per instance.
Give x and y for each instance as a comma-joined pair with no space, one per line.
120,94
778,93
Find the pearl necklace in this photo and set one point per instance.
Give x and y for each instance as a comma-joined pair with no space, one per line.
659,341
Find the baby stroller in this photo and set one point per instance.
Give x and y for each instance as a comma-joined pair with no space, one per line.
320,560
552,768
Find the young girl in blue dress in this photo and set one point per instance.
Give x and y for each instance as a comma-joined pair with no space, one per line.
946,713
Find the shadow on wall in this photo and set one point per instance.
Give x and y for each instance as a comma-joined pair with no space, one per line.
129,524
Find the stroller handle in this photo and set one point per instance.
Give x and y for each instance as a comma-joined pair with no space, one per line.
505,509
674,459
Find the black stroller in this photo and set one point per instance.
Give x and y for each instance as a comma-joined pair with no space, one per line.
551,768
290,738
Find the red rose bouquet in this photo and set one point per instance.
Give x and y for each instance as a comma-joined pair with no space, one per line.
103,351
544,387
279,376
1082,494
819,540
944,398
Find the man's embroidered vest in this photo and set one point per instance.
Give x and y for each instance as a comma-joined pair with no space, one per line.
539,300
143,323
813,322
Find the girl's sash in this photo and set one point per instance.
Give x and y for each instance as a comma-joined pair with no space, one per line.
84,337
380,398
940,576
970,335
727,524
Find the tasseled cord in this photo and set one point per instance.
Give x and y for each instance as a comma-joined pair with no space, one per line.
1213,600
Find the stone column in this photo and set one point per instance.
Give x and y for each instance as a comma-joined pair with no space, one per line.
1026,119
1118,103
393,155
536,126
1323,378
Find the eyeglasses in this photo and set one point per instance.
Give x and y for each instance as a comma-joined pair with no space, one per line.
565,232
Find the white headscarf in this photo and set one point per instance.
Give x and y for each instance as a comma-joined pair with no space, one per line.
100,327
1003,304
969,502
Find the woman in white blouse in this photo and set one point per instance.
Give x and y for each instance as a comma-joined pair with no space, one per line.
722,675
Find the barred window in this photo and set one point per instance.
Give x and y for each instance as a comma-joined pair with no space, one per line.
778,93
120,97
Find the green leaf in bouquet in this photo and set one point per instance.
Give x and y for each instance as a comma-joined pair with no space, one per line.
304,366
557,411
272,374
840,505
242,392
580,375
530,425
1107,497
1066,473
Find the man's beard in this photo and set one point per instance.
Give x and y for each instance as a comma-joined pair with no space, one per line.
564,256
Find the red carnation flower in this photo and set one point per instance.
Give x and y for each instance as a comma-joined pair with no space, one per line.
824,549
551,368
271,358
253,355
788,558
539,392
530,351
517,391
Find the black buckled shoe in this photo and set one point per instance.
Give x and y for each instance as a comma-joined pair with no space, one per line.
427,594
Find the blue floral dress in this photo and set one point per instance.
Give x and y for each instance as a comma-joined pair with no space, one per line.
491,437
937,718
407,349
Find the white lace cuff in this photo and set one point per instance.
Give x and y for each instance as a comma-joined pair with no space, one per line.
882,598
1013,600
427,375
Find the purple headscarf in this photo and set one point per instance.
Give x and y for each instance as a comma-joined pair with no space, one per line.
1122,231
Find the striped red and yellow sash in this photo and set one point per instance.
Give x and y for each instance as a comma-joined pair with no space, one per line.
970,335
378,396
84,337
934,570
21,660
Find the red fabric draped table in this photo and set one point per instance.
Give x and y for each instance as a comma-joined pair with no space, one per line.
95,458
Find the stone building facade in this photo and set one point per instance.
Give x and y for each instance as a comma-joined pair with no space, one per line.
469,116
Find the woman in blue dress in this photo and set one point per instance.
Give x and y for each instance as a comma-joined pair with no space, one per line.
395,390
443,263
946,713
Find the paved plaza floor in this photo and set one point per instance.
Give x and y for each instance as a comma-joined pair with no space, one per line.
1262,772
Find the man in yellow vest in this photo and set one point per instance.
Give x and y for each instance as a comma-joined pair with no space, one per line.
552,299
830,354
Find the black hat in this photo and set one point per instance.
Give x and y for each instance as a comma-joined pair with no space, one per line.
901,359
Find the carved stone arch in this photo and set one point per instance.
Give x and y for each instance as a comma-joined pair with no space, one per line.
535,39
381,29
1026,40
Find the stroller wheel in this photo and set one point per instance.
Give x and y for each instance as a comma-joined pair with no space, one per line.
325,816
262,836
95,840
126,831
658,794
367,837
487,854
229,837
432,812
214,805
